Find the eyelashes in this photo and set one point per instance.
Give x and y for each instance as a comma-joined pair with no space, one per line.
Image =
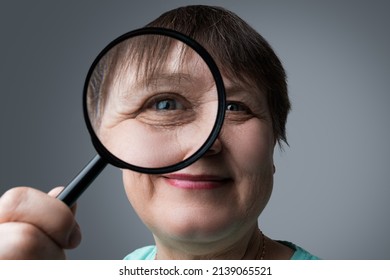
166,110
237,111
167,102
235,106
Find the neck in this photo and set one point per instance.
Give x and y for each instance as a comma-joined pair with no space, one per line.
247,245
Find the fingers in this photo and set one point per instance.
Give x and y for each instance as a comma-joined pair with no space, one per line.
22,241
48,215
56,191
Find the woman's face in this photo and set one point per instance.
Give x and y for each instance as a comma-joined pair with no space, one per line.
225,190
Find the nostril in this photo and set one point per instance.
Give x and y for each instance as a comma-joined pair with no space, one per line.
215,148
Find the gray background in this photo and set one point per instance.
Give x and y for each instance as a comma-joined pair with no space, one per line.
331,186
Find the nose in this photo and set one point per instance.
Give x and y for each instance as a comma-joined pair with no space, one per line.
215,148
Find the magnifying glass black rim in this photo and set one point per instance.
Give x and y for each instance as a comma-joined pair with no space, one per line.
109,157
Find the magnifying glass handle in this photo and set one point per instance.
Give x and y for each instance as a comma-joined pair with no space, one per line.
80,183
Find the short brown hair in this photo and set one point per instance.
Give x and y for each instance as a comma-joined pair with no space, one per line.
239,51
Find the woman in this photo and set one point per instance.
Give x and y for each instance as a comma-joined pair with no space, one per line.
210,209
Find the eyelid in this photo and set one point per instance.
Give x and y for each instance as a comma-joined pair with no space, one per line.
149,115
239,103
247,112
151,101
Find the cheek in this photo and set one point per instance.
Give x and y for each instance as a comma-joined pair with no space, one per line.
150,146
251,147
139,190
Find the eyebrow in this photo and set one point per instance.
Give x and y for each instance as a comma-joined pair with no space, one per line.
235,89
164,77
247,93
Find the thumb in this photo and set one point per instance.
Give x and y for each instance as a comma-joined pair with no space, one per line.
56,191
75,236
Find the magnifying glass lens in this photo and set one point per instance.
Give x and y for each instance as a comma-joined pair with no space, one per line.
152,101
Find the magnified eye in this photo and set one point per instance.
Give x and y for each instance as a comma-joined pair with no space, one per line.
168,110
167,104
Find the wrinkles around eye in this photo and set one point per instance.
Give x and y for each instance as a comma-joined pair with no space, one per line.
238,112
166,110
166,118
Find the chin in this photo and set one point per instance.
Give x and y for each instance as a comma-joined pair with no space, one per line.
196,225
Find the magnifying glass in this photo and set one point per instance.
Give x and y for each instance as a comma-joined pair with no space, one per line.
153,101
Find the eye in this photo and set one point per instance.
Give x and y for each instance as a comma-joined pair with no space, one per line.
235,107
167,110
166,104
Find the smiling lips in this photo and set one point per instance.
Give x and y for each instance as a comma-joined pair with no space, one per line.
188,181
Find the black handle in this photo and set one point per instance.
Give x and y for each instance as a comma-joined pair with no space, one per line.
80,183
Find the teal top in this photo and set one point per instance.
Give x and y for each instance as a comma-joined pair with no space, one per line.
149,253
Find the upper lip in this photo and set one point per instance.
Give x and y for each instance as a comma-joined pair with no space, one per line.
195,177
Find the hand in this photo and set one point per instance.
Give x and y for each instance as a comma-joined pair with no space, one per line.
36,225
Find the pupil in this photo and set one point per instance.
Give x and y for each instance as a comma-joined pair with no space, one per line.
166,105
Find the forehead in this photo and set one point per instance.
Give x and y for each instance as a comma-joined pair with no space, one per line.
176,65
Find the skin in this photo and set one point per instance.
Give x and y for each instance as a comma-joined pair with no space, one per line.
208,210
36,225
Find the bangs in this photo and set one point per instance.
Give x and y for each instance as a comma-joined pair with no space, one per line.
149,56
